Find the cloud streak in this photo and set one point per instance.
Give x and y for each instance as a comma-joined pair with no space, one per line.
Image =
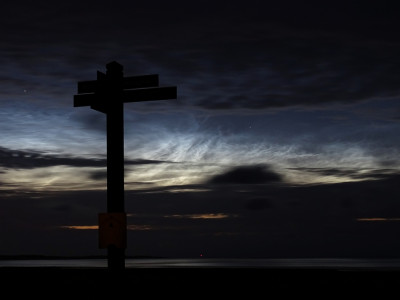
21,159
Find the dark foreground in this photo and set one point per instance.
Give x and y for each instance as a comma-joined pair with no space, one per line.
196,283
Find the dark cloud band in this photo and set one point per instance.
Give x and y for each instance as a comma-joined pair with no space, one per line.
19,159
254,174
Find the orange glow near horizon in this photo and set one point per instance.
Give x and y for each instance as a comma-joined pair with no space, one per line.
139,227
81,227
377,219
136,227
201,216
96,227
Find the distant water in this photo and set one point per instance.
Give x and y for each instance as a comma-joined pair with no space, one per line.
323,263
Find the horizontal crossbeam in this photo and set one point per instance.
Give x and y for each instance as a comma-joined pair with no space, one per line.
132,82
159,93
129,95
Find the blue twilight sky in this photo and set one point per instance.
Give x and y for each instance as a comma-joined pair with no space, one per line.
284,139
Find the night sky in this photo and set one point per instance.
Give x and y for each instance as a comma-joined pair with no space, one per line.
283,140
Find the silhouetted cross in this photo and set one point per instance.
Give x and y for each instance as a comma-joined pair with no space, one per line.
108,94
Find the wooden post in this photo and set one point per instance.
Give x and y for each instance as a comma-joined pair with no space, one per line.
115,156
108,94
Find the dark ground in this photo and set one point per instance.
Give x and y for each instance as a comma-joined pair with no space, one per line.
197,283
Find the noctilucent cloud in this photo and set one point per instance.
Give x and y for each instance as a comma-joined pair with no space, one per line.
283,140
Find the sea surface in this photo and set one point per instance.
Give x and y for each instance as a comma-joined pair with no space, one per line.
308,263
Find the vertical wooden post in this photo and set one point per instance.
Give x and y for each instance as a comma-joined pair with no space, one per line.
115,156
108,94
